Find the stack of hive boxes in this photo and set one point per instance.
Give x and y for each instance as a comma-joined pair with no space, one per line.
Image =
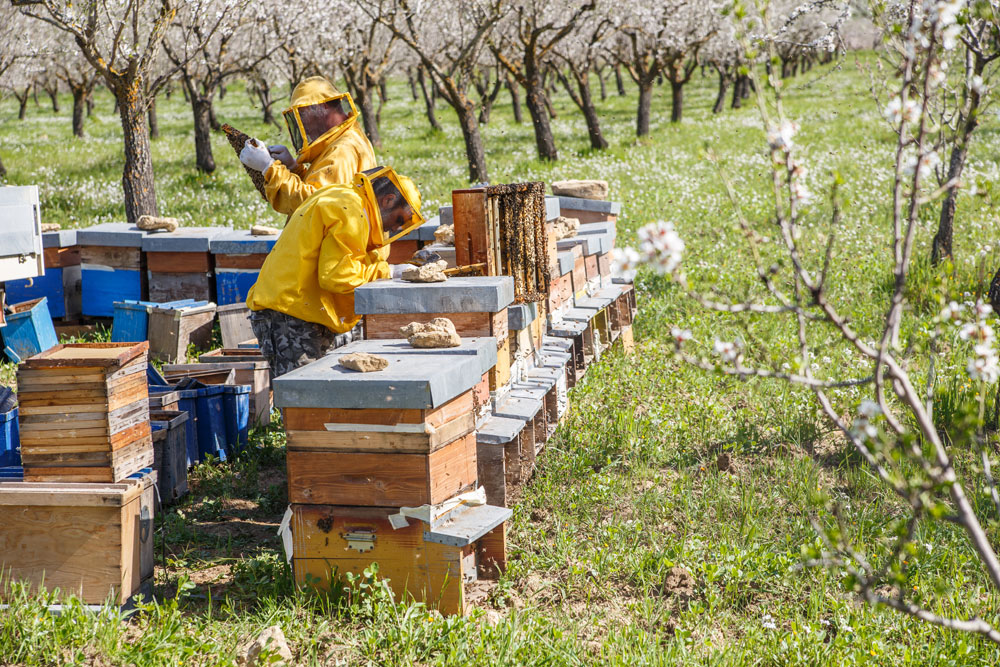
84,413
113,267
82,518
61,282
364,447
238,256
180,264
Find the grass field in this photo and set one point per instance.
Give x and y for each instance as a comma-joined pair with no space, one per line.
635,543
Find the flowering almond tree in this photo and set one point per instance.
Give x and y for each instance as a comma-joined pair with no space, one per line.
938,477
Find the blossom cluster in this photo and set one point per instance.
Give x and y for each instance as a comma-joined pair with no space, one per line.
781,140
984,365
863,428
660,247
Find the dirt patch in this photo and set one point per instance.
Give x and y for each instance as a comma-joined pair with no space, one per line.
258,531
678,584
239,504
209,576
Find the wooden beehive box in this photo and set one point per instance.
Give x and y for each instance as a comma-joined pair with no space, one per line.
113,267
180,264
393,438
61,282
430,563
238,257
476,305
590,210
171,330
94,541
84,413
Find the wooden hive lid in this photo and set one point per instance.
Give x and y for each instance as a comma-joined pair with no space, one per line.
108,356
45,494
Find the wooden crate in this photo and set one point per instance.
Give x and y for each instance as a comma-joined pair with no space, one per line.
402,251
180,275
109,274
430,563
327,473
252,373
170,453
234,321
579,275
84,413
90,540
171,330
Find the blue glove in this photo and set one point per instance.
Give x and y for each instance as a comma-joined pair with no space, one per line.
282,154
255,156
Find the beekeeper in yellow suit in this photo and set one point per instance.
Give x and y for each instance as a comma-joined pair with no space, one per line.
336,241
324,129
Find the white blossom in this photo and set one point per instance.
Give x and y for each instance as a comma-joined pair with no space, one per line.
680,335
661,246
899,110
729,351
780,137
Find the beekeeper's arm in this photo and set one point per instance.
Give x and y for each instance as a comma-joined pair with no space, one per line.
344,262
286,190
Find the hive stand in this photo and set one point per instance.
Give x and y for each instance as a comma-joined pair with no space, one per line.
238,257
61,282
180,264
362,444
477,306
112,267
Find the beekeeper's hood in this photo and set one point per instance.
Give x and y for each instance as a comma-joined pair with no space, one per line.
392,204
318,115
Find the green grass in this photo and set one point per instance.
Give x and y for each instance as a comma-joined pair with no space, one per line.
629,487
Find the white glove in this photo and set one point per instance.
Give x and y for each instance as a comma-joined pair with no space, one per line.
284,155
396,270
255,156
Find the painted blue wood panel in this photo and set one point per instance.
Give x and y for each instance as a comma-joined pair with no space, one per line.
233,285
29,332
50,286
103,286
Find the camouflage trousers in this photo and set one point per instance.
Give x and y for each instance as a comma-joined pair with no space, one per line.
288,342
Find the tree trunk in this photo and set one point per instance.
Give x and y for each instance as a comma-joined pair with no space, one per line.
22,105
474,150
383,91
201,107
413,84
544,141
676,101
212,120
138,184
90,103
222,92
645,106
428,100
738,91
3,169
720,99
79,107
942,243
154,122
364,100
604,86
619,82
515,99
597,140
548,105
54,97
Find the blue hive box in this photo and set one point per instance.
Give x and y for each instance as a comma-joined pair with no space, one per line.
29,330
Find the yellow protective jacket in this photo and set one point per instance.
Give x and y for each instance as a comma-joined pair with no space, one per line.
331,161
319,260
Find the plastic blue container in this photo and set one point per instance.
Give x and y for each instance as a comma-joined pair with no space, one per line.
28,331
236,401
131,323
187,403
211,422
10,442
50,285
